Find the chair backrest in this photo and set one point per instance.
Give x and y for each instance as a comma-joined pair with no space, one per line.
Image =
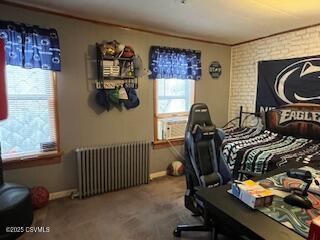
204,162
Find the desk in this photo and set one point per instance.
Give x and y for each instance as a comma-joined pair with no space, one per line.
234,216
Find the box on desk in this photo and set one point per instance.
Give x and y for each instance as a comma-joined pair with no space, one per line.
252,194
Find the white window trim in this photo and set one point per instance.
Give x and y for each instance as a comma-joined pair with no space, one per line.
158,116
34,159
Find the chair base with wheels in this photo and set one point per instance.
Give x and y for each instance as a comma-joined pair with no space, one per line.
190,203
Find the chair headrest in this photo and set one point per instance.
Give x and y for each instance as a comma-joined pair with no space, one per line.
199,115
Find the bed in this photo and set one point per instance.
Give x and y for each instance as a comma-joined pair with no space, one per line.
288,133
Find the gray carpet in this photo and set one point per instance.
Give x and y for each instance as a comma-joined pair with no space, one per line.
148,212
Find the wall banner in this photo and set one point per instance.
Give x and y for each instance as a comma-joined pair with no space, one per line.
288,81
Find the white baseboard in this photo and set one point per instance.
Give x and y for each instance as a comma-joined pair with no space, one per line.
62,194
157,174
69,192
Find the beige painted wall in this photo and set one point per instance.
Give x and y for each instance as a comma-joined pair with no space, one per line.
80,122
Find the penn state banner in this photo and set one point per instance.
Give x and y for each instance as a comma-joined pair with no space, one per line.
288,81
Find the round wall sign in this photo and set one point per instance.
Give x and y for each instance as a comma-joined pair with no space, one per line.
215,69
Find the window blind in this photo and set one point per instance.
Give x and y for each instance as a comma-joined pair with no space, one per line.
30,128
174,95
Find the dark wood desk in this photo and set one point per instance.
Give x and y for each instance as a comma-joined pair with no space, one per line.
234,216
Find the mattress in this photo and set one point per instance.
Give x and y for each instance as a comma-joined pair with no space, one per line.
259,151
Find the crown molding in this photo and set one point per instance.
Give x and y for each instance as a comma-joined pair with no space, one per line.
61,14
275,34
57,13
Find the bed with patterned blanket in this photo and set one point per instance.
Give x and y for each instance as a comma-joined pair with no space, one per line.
259,151
290,133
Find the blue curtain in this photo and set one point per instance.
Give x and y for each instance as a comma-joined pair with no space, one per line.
165,62
30,46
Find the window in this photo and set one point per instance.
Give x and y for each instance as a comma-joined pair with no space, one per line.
31,128
173,99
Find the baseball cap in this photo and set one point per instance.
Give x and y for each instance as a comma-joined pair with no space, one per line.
102,99
133,100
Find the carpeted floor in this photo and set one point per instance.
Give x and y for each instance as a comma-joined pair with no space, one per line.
148,212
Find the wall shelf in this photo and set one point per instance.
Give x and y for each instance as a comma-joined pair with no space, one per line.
114,71
116,58
112,84
117,77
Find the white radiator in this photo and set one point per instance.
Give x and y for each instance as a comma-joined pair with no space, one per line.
112,167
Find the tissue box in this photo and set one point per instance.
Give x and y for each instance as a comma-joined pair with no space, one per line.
314,232
252,194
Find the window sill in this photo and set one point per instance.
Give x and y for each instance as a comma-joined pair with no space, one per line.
164,143
33,161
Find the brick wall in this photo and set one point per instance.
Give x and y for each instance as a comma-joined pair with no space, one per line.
244,60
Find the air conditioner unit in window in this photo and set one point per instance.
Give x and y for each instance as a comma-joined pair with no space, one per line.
171,128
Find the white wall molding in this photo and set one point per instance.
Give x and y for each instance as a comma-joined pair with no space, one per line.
70,192
62,194
157,174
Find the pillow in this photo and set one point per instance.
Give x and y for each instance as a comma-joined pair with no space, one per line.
298,120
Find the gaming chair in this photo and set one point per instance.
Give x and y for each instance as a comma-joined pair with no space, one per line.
204,163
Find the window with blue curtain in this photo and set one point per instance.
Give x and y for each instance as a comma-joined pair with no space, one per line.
176,63
32,55
31,46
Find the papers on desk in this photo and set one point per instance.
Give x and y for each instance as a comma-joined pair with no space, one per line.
281,184
275,192
279,193
260,194
252,194
290,216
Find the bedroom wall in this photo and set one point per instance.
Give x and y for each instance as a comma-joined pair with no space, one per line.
81,123
244,58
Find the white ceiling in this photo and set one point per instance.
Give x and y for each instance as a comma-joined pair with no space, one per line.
225,21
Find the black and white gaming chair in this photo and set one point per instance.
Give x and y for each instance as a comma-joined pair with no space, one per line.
204,163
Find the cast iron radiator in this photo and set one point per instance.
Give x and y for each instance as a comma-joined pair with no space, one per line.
112,167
